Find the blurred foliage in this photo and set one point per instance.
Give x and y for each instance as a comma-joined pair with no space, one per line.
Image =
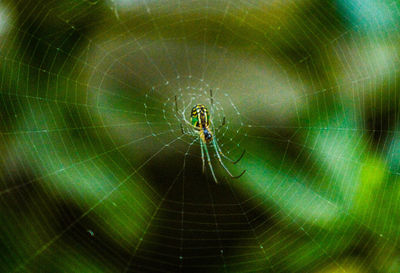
96,176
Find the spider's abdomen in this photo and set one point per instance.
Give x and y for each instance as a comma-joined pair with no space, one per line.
200,116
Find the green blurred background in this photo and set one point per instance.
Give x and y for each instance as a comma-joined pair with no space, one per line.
96,175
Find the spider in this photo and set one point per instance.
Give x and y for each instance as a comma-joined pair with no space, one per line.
200,121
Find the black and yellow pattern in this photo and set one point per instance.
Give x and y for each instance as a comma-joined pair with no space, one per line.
200,117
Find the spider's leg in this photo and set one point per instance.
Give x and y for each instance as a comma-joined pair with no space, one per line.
176,105
202,154
222,124
209,161
226,157
176,110
211,99
222,163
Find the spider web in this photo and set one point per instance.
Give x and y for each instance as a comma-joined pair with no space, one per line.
96,175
